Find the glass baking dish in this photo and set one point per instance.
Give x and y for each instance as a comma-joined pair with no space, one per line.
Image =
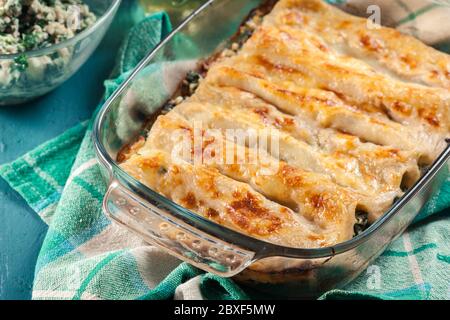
290,272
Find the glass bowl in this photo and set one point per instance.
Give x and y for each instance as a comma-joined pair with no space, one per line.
28,75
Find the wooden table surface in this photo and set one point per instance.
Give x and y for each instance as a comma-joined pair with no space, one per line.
22,128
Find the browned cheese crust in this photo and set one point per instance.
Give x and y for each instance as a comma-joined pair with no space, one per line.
356,110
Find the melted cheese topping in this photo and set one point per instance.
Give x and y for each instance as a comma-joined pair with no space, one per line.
355,112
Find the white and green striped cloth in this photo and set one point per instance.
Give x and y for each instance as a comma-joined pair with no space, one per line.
85,256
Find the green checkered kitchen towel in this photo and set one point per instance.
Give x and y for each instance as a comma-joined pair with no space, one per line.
85,256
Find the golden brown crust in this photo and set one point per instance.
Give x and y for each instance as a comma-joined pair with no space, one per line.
229,202
403,56
355,111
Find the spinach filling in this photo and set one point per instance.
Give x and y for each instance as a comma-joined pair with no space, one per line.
34,24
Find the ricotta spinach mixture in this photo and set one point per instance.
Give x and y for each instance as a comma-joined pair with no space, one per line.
33,24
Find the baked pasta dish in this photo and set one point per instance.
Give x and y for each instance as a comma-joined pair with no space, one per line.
353,114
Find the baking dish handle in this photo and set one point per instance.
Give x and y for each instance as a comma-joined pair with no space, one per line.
159,227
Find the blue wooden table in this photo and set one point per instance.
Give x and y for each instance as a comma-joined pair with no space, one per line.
24,127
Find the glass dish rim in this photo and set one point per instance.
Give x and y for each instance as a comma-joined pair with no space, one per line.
84,34
261,248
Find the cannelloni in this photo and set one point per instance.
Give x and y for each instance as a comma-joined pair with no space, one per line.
352,112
